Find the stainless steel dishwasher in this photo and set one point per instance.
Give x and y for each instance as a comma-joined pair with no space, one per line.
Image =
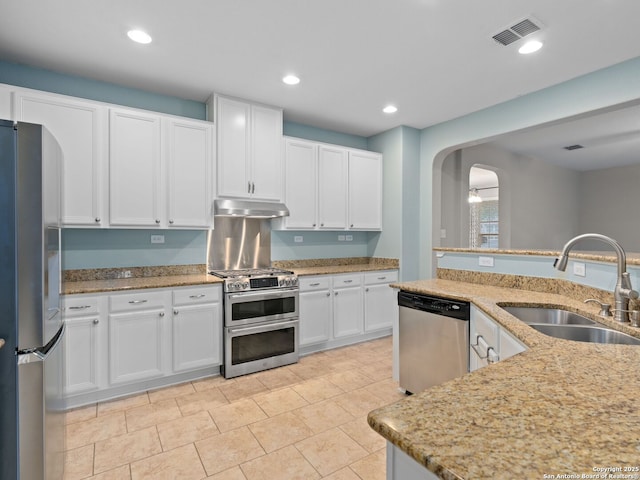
433,340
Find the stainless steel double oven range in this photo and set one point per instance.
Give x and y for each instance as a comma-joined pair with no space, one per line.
261,325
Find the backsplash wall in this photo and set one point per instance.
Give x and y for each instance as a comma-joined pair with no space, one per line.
115,248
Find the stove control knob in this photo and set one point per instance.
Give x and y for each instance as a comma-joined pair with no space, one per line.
245,286
281,283
294,281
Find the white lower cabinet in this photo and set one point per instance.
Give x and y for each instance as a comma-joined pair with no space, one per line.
401,466
197,328
123,343
137,338
489,342
315,309
338,310
380,301
348,311
84,321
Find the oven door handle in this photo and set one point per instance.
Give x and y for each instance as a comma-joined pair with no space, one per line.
264,326
280,293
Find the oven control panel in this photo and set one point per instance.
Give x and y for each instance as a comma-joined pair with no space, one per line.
245,284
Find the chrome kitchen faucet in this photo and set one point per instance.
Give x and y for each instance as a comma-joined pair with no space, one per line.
623,290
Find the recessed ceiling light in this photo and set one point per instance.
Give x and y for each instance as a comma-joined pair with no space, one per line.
390,109
530,47
139,36
291,80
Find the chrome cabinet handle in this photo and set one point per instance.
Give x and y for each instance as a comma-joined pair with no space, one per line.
366,289
171,222
314,284
197,296
157,220
313,225
328,294
336,293
347,281
322,224
253,187
382,278
2,342
97,219
80,307
96,321
351,226
175,312
137,302
161,314
489,359
248,187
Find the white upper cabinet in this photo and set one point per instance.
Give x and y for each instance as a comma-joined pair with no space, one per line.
301,183
161,171
189,173
80,129
249,139
332,187
328,187
365,191
134,168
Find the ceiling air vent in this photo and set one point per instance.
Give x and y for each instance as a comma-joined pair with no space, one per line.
517,31
573,147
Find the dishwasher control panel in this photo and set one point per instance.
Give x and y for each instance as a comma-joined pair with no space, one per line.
438,305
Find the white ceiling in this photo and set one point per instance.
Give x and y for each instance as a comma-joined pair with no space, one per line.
434,59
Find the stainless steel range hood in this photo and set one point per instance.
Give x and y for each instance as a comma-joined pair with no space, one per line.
249,209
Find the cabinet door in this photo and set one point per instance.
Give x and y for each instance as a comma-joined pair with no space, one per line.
233,147
197,337
266,153
79,129
190,173
347,312
332,187
134,169
380,307
365,191
301,184
81,355
315,317
135,346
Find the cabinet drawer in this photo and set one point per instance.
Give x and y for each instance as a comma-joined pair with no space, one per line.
343,281
80,306
192,296
136,301
314,283
386,276
483,325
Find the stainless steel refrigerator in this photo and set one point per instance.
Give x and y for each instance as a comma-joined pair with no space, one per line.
31,326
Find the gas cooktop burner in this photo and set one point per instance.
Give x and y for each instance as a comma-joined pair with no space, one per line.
250,272
247,279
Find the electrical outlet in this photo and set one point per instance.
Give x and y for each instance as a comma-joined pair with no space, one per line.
349,238
298,239
579,269
341,238
485,261
157,238
126,274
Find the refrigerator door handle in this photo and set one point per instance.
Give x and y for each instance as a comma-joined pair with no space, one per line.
39,354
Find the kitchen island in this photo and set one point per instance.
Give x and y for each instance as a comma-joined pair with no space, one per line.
559,408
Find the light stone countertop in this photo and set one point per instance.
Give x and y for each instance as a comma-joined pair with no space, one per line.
561,407
101,280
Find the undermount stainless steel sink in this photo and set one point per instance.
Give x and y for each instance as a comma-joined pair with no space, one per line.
585,333
566,325
555,316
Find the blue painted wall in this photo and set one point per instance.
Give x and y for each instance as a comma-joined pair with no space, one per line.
299,130
48,81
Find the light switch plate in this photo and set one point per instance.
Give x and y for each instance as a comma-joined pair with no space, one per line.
349,238
341,238
579,269
298,239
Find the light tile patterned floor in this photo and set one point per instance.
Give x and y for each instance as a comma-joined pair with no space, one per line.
302,421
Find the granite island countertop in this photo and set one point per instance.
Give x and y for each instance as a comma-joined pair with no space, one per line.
559,408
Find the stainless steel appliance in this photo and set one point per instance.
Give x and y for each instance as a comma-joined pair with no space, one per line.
433,340
31,327
261,311
261,326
